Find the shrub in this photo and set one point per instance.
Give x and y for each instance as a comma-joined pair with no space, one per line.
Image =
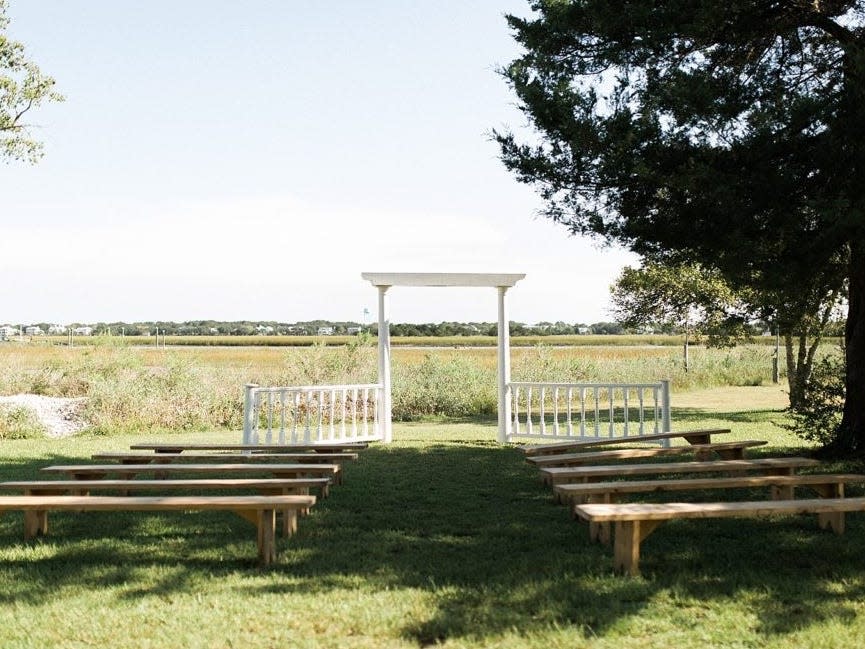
817,418
18,422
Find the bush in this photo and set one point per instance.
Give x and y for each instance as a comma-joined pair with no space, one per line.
18,422
818,416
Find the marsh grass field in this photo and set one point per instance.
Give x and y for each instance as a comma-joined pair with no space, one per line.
443,538
186,388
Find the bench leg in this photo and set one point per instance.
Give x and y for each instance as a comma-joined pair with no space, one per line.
289,522
833,521
267,537
601,532
35,523
626,547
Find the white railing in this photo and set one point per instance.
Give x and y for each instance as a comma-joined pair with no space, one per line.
561,411
310,414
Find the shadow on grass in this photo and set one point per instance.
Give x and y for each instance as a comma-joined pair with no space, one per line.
469,525
683,416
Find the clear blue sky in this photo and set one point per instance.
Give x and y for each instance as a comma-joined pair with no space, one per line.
248,160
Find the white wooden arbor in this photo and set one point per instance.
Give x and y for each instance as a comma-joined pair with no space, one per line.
501,282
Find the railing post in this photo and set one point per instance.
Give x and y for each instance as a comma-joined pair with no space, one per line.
665,405
504,368
249,412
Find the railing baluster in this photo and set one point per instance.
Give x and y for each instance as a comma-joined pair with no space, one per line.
570,398
542,411
556,411
282,416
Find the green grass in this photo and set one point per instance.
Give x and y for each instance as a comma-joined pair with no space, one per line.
443,537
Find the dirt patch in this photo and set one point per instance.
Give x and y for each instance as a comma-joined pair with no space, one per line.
61,416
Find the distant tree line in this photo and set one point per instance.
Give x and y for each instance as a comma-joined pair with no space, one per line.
336,328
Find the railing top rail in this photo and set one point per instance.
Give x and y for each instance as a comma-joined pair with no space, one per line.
551,384
317,388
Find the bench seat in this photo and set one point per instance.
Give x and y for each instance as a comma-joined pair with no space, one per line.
724,450
826,485
264,486
202,457
634,522
700,436
260,510
180,447
129,471
300,458
779,466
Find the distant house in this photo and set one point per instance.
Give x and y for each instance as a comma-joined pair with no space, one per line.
353,331
264,330
584,330
33,330
83,331
57,330
7,332
325,331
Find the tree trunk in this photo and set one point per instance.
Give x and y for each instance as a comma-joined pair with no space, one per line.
851,432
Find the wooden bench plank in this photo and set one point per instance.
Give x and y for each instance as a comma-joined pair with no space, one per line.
129,471
167,458
635,521
260,509
826,485
315,447
725,450
300,458
700,436
264,486
780,466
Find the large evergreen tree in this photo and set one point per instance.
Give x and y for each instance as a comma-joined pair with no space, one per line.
729,134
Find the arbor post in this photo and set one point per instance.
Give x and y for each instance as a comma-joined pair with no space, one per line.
504,368
384,365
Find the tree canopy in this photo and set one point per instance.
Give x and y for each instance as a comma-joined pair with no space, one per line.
23,87
729,134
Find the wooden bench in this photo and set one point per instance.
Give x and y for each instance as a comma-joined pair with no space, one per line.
724,450
634,522
224,458
260,510
180,447
129,471
777,466
264,486
702,436
826,485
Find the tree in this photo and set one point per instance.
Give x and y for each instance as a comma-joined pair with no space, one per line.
694,299
23,87
729,134
685,297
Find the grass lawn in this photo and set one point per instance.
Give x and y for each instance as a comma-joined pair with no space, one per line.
443,537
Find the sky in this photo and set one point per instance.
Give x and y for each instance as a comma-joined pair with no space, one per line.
229,160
